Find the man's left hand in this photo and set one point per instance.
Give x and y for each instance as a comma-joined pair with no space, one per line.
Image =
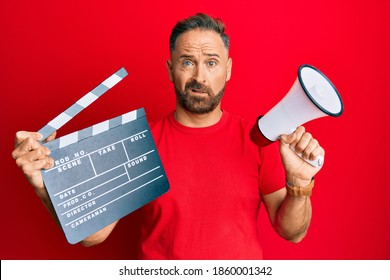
298,171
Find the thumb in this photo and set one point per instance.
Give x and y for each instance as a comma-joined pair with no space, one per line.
51,137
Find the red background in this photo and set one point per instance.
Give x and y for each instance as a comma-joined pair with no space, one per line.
53,52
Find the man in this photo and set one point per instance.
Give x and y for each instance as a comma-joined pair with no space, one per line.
218,177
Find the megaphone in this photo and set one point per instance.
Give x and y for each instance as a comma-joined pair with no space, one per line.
312,96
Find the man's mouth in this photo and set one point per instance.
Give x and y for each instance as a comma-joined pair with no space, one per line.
198,91
193,87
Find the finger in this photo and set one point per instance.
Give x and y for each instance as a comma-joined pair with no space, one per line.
297,136
27,146
21,136
301,141
287,139
293,137
31,168
29,158
317,152
51,137
310,147
35,155
49,163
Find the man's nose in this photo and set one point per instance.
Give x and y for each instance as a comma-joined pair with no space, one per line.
199,74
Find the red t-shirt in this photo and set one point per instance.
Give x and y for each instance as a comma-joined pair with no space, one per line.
216,176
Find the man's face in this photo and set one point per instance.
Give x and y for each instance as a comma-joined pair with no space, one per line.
199,68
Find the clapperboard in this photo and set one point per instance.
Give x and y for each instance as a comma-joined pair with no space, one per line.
103,172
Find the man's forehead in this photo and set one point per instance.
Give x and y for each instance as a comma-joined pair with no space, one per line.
205,41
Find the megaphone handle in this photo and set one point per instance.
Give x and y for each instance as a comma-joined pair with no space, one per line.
319,161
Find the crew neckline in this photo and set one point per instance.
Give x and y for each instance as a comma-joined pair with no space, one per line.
198,130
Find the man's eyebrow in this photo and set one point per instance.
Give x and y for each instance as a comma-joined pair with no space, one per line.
192,56
186,56
212,54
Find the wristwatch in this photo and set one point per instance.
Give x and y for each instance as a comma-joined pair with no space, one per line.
300,191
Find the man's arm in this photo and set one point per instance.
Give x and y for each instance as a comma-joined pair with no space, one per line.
31,157
290,215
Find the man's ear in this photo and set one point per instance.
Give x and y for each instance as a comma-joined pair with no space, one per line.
169,68
229,69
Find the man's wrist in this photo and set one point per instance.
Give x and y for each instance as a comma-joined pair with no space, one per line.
296,191
295,181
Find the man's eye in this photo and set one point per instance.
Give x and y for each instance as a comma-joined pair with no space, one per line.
187,63
212,63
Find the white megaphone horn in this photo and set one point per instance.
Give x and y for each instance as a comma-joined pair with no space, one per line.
312,96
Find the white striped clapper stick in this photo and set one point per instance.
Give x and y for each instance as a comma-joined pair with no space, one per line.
82,103
96,129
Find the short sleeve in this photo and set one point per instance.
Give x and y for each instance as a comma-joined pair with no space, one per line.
272,176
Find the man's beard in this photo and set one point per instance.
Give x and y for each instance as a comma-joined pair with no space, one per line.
198,104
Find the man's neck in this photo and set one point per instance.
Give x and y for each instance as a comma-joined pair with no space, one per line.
197,120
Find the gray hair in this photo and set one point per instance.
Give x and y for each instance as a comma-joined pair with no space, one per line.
199,21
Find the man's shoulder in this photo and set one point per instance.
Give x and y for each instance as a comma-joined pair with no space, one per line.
159,122
240,121
160,125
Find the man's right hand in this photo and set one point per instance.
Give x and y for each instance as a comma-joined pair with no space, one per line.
31,157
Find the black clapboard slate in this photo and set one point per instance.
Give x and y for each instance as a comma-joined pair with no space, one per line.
103,173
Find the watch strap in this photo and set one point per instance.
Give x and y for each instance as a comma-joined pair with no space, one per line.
300,191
